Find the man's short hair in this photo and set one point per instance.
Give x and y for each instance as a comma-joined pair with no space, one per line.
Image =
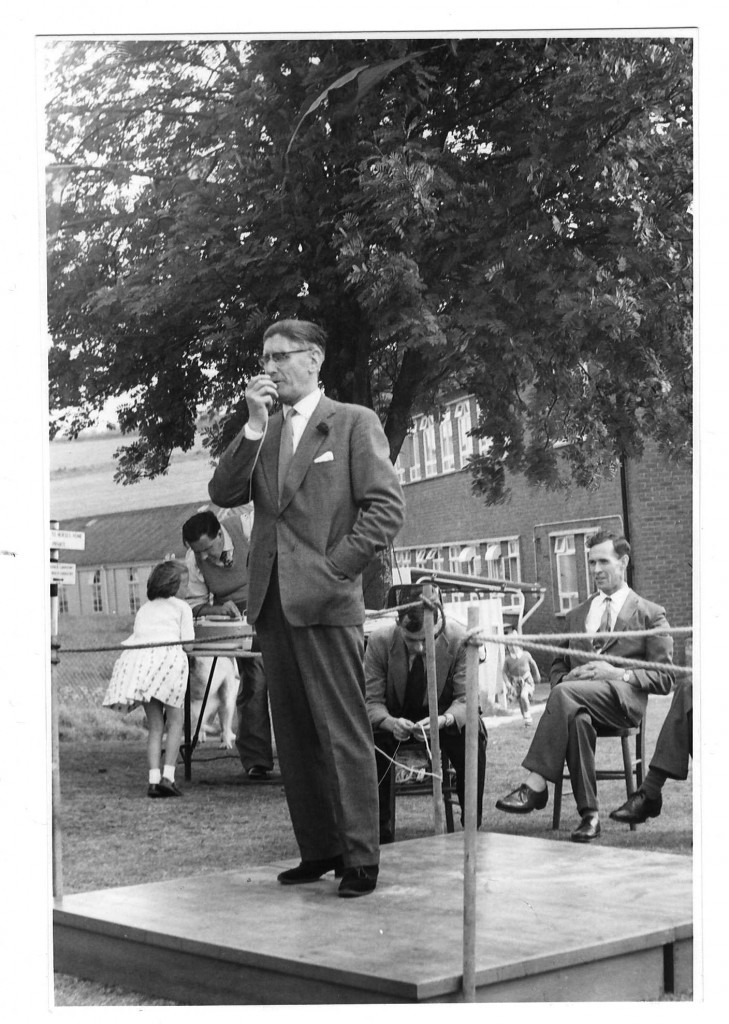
412,620
302,331
202,524
620,544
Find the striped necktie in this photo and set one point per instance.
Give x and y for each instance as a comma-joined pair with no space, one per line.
286,448
605,624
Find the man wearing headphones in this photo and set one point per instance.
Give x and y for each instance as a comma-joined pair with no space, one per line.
397,697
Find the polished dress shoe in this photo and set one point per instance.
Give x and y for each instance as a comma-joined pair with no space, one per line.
257,772
587,830
638,808
522,800
153,790
312,870
359,881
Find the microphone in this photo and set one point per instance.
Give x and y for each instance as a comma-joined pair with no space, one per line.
322,428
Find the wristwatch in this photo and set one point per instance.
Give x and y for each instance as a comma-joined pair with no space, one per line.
627,674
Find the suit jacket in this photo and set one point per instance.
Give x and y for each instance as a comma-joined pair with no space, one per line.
386,672
636,614
341,503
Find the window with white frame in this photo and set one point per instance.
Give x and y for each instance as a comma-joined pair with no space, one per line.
462,417
97,593
416,466
133,584
429,451
447,452
468,560
565,556
502,559
403,558
428,558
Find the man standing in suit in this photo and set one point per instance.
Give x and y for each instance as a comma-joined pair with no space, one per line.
397,699
217,565
587,693
326,500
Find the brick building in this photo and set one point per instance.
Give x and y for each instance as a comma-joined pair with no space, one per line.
539,535
535,536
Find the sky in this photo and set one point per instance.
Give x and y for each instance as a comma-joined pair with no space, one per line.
24,509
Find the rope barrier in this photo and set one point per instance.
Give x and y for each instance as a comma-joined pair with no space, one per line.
532,641
477,638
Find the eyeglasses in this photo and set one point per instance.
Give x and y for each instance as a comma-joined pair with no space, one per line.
278,357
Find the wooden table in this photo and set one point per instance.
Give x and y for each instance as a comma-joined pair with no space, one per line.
209,649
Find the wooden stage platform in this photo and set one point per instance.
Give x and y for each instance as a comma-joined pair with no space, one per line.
555,922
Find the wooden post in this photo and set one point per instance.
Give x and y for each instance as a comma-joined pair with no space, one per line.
470,822
57,865
437,765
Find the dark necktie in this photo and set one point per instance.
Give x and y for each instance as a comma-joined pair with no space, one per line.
286,448
412,706
605,625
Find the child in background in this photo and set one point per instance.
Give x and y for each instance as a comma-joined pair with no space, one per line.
521,675
156,677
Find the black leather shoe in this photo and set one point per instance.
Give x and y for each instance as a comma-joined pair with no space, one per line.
153,790
587,830
257,772
638,808
359,881
523,800
312,870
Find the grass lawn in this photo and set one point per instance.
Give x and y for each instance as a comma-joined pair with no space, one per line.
113,835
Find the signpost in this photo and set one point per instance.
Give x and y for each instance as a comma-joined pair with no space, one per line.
69,540
61,572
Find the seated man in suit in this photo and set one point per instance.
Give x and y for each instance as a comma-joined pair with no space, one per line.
586,694
397,699
670,758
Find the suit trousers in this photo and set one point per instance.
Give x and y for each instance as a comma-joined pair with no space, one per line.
675,745
323,735
253,735
453,743
566,732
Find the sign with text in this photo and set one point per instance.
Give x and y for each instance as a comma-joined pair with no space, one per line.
63,572
69,540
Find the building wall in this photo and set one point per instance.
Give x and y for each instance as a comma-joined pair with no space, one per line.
442,513
105,590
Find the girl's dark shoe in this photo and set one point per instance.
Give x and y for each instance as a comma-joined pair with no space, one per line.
153,790
166,787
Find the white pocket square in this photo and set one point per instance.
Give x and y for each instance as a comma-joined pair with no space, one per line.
326,457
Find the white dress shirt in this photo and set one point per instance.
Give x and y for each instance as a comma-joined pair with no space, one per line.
596,609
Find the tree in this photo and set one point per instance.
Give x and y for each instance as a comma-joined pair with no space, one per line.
507,216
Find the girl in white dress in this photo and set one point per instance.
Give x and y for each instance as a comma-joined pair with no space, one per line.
156,677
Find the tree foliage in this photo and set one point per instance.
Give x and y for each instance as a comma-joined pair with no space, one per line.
509,216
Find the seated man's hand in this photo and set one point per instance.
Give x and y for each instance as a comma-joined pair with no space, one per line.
595,670
423,726
402,728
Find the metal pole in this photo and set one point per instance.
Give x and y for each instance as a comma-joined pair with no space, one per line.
57,864
437,765
469,816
